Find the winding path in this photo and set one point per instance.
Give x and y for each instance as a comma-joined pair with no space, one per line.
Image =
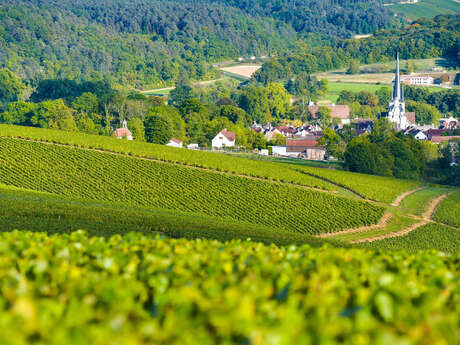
426,218
401,197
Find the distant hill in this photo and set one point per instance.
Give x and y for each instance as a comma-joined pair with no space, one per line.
144,43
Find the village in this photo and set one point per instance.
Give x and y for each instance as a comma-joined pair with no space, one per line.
303,141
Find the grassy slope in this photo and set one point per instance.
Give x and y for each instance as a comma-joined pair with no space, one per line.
38,211
101,176
427,8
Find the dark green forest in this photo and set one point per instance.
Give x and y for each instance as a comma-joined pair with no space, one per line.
143,43
424,38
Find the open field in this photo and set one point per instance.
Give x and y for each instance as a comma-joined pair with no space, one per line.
426,8
165,91
245,71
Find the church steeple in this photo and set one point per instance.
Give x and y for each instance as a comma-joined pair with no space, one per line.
397,94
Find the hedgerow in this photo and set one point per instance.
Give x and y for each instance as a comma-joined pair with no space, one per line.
101,176
430,236
208,160
378,188
448,211
133,289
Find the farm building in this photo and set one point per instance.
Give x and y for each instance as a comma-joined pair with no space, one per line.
175,143
224,139
123,132
418,80
306,148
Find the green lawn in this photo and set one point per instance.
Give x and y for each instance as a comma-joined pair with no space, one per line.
427,8
336,88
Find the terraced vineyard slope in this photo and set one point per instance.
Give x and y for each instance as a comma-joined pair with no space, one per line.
207,160
94,175
144,290
448,211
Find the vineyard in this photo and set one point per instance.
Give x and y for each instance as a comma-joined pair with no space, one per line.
430,236
38,211
75,289
100,176
378,188
207,160
372,187
448,211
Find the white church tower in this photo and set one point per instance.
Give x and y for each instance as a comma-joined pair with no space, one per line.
397,108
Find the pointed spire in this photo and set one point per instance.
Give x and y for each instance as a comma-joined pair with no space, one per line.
397,84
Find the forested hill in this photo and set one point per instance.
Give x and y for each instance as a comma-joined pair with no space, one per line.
143,43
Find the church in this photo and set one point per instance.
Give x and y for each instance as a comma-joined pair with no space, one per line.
397,114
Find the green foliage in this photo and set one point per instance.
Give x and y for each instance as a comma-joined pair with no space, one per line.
425,114
333,143
278,99
108,177
144,289
11,87
430,236
448,211
324,116
254,100
158,129
353,67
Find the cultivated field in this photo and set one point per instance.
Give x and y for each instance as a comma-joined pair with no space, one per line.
245,71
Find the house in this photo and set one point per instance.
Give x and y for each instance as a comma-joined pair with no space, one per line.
418,80
364,126
271,134
305,148
449,123
175,143
224,139
193,146
286,131
123,132
434,133
420,136
279,150
341,112
440,138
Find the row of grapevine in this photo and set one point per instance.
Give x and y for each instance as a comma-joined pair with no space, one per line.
38,211
448,211
378,188
101,176
243,166
74,289
430,236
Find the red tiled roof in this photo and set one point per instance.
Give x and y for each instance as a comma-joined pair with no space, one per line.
411,117
122,132
337,111
177,141
440,138
301,142
229,135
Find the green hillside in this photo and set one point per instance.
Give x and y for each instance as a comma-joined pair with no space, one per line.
427,8
108,177
370,186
